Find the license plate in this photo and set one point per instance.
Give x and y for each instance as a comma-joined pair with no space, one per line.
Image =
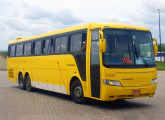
135,91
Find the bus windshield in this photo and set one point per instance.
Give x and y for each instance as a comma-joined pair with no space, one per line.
128,48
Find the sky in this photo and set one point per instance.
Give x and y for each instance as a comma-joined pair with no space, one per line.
24,18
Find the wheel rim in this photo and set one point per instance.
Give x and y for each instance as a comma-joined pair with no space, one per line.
28,84
78,92
21,81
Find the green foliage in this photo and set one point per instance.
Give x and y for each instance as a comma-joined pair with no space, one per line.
160,65
163,47
4,53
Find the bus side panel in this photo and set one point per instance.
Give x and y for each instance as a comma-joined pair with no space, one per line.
27,64
69,69
56,73
21,64
35,71
12,68
44,64
67,66
40,70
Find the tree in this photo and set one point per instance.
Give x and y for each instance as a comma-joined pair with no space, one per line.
5,53
163,48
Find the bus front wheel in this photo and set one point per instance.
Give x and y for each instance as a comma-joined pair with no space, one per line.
77,93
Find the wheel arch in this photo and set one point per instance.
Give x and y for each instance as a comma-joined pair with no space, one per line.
26,74
73,79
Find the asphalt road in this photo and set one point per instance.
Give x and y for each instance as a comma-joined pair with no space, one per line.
16,104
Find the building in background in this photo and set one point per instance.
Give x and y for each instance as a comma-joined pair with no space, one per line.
3,62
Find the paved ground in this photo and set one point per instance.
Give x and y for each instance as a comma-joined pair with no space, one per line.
16,104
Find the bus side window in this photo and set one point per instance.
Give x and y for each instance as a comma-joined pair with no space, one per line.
64,44
52,46
43,47
12,51
76,43
84,41
37,48
57,45
27,49
19,50
46,46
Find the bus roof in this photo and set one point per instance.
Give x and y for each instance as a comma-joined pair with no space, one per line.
85,26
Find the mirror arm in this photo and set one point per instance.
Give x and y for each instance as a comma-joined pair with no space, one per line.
155,46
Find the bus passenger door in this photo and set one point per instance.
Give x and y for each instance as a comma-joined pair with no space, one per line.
95,64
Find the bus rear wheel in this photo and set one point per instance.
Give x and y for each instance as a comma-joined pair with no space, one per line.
22,83
28,84
77,93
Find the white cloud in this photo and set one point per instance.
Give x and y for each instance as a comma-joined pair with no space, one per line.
30,17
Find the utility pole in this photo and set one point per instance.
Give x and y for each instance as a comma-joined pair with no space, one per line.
160,36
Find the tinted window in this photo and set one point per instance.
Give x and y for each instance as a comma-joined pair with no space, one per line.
95,48
27,48
84,42
143,48
12,50
37,47
128,48
119,49
52,46
76,43
95,35
47,46
19,50
64,44
57,45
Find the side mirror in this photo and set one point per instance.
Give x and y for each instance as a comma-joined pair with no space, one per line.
102,42
155,46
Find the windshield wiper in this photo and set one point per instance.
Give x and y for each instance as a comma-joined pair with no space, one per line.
135,51
129,50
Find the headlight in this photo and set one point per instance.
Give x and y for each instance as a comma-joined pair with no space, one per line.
112,82
153,81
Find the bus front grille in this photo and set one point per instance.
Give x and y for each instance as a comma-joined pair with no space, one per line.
132,96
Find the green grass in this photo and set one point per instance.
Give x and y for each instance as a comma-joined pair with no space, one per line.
160,65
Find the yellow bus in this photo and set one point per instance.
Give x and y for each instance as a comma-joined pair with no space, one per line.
103,61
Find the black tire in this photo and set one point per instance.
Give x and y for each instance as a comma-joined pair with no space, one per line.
28,84
22,83
77,93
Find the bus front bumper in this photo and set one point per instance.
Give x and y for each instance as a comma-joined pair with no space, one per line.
111,93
